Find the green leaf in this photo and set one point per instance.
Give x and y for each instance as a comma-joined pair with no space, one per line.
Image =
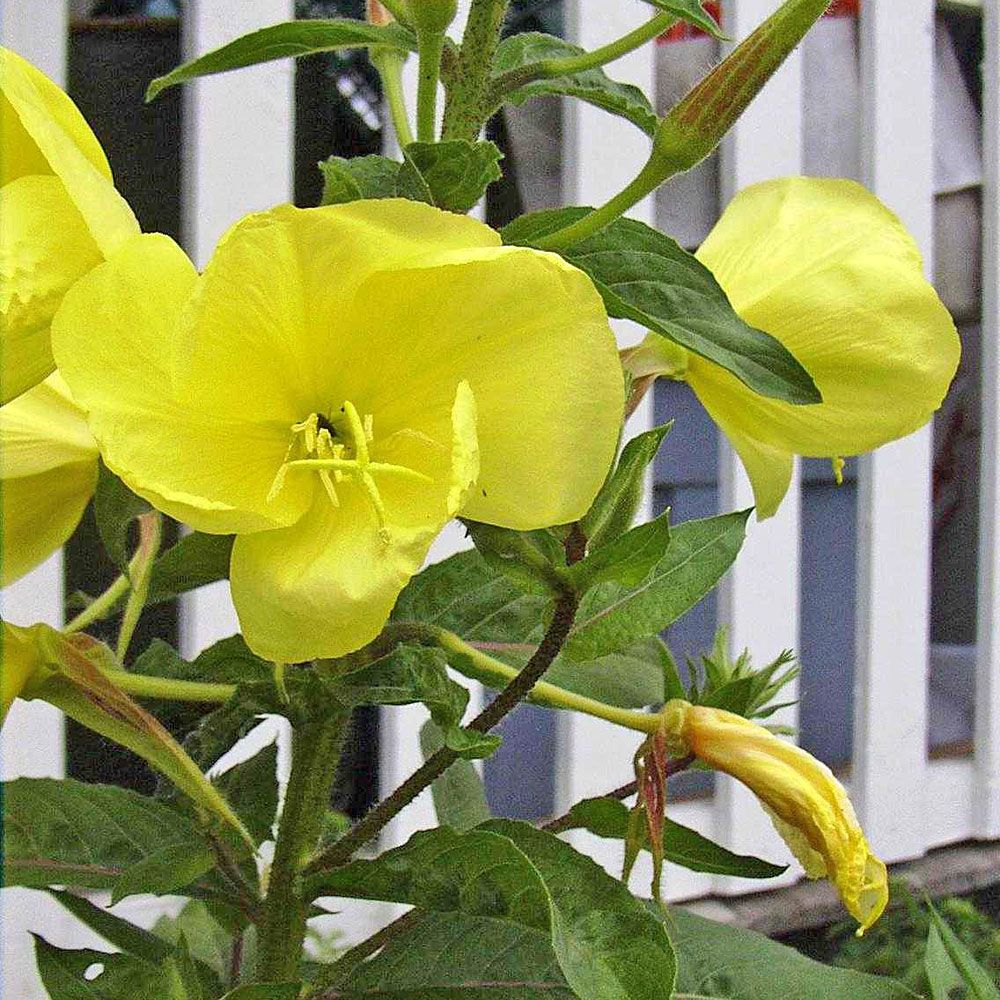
591,85
452,175
70,833
464,595
167,870
443,956
615,506
251,788
693,12
612,617
196,560
945,980
607,945
282,41
115,508
359,177
627,560
120,933
608,818
459,795
532,559
419,674
973,974
265,991
721,961
228,661
63,974
209,943
648,277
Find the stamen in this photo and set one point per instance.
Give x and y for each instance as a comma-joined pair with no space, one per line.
338,451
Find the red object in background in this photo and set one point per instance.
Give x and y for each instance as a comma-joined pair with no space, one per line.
839,8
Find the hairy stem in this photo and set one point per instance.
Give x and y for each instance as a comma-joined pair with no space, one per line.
315,752
464,115
430,45
435,765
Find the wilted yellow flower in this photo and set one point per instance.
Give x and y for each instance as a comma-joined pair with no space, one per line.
20,662
829,271
807,804
337,385
60,215
48,470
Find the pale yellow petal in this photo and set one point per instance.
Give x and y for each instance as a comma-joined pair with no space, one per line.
44,248
530,335
49,119
325,586
268,319
823,266
40,512
197,459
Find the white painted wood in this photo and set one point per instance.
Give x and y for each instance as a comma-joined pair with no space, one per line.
988,639
238,158
33,742
601,153
759,597
894,501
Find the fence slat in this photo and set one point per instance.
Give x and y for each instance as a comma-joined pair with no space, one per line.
759,598
894,501
988,681
237,158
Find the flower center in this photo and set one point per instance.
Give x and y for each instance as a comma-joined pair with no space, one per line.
336,448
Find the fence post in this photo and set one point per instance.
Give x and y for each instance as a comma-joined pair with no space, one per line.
987,792
759,597
894,499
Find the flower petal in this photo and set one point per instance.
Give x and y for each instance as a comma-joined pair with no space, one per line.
44,248
325,586
40,512
268,315
189,454
530,335
42,430
809,805
823,266
37,113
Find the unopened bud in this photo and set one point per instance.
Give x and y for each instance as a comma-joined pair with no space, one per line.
432,16
376,13
696,125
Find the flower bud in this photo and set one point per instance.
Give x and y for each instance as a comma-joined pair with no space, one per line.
696,125
806,803
431,16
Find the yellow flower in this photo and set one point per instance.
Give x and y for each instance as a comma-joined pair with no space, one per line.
825,268
21,664
807,804
48,470
60,215
337,385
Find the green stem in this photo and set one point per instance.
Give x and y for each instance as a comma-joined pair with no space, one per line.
389,63
141,567
100,607
430,45
464,113
315,752
547,69
557,697
648,180
170,689
523,682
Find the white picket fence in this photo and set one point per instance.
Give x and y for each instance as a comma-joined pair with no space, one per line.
238,158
